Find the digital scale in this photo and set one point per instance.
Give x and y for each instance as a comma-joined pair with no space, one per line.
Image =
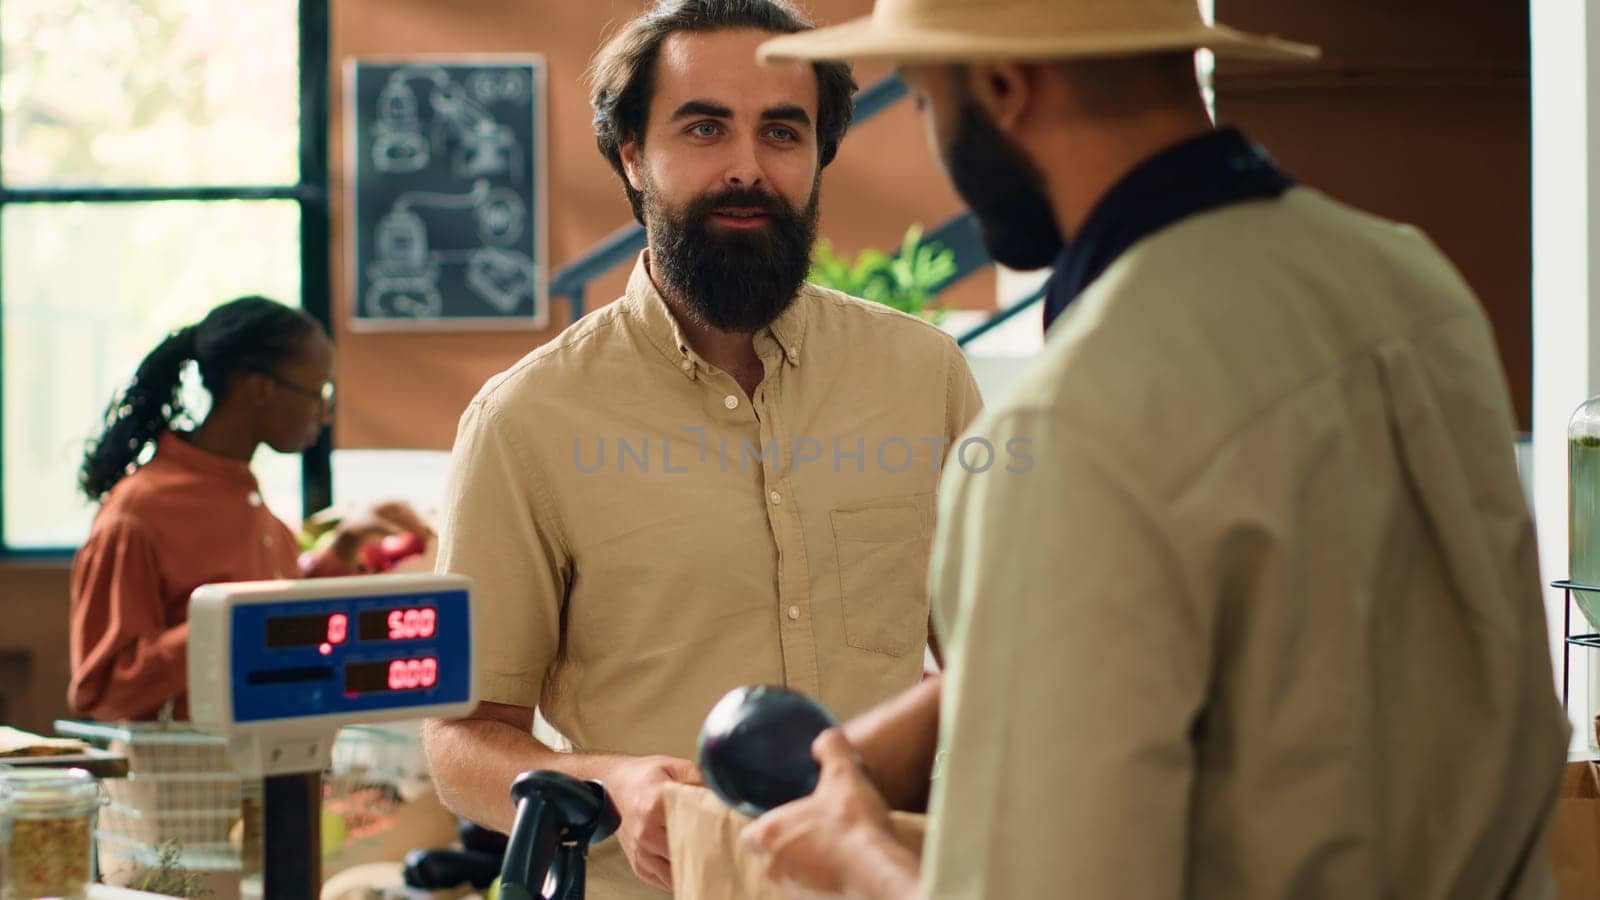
278,667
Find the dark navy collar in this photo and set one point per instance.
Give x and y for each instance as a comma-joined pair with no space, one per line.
1215,170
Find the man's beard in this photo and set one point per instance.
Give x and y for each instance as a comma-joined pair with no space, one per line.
1005,191
731,280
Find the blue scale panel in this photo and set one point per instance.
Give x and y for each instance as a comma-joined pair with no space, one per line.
350,655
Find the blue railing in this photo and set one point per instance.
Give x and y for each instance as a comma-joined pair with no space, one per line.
960,235
573,280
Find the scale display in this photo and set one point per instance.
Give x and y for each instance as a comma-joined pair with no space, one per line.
349,654
328,630
401,624
416,674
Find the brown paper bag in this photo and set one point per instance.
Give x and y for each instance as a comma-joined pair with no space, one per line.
709,864
1575,833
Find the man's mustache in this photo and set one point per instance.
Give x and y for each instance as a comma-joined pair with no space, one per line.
738,198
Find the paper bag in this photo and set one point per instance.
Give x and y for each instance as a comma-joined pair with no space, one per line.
15,742
1575,834
709,864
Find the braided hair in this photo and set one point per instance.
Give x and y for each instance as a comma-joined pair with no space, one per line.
250,334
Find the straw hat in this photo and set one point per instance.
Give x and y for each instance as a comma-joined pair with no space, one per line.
964,30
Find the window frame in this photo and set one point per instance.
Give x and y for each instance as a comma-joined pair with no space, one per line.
310,192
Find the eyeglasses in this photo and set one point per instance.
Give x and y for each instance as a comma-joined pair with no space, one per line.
323,395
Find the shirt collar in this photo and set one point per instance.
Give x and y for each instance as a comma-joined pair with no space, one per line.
173,449
661,327
789,329
1217,169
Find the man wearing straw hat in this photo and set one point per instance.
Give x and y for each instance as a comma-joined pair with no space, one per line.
1264,620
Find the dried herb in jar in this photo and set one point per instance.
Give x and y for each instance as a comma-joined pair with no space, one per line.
50,857
50,814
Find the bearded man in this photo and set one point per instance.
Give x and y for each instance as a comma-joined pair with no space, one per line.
726,477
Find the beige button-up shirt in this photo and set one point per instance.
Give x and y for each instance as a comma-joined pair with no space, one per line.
1264,619
646,537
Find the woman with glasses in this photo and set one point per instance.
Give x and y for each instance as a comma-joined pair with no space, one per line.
190,512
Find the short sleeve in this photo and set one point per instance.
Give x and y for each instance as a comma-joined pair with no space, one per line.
1076,670
963,402
500,528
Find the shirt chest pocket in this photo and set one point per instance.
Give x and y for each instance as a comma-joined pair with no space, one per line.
883,551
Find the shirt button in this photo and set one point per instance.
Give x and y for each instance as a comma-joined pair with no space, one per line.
775,497
266,539
794,612
730,402
687,365
794,353
254,499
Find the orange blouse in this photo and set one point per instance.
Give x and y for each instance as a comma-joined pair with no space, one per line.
184,519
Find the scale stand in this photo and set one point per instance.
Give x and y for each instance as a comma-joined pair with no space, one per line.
291,838
1570,640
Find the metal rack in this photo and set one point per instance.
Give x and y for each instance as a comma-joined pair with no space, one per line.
1592,641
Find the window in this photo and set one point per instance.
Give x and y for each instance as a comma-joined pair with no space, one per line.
153,163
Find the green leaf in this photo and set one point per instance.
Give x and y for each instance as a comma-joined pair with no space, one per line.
908,281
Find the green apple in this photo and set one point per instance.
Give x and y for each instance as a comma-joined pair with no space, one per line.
333,833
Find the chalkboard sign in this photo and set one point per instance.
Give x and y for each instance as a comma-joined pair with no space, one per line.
446,167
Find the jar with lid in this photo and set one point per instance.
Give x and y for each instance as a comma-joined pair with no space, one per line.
49,817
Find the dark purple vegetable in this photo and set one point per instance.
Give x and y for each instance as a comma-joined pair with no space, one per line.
755,747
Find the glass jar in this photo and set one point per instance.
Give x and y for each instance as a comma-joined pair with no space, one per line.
50,816
1583,533
1583,504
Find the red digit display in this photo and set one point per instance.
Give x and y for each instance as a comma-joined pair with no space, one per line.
382,676
338,628
411,623
410,674
309,630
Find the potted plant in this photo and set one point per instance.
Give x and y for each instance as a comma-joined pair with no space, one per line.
908,281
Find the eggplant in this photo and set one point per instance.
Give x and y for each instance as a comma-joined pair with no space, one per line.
755,747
